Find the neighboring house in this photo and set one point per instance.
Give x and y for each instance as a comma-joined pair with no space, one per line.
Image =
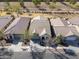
31,7
2,5
61,27
5,21
17,28
44,7
62,30
68,32
58,22
74,21
65,31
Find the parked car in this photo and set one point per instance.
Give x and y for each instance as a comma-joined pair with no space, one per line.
71,40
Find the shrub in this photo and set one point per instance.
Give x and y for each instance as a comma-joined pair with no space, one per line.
58,39
36,2
52,5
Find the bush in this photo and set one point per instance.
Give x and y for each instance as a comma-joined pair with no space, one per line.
66,0
58,39
36,2
15,8
73,2
12,8
52,5
26,37
77,6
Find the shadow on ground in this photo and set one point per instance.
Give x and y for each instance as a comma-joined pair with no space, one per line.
5,53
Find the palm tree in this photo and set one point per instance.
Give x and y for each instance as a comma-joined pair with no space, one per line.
26,37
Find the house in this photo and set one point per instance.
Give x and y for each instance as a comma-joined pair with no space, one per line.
5,21
41,26
17,28
57,23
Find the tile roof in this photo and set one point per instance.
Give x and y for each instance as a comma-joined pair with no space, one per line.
4,20
74,20
65,31
74,30
62,30
18,26
58,22
38,24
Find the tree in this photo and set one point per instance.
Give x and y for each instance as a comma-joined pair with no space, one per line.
36,2
52,5
1,35
54,1
21,3
26,36
7,7
58,39
72,2
7,3
47,1
67,0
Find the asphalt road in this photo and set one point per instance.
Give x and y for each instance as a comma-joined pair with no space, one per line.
7,54
24,55
47,55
